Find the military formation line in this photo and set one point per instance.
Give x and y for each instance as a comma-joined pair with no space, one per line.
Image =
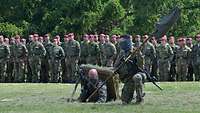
40,59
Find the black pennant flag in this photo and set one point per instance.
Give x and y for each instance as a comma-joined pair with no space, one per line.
166,22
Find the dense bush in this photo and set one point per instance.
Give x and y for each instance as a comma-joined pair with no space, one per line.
9,30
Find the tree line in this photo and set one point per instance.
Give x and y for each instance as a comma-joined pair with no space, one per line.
93,16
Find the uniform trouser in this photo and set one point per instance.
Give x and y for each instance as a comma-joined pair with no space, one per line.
64,70
182,71
131,85
29,71
3,75
196,68
92,60
35,64
173,72
163,70
55,70
10,71
154,70
71,68
45,70
190,73
19,71
147,64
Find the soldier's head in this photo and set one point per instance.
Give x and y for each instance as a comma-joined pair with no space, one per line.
118,38
23,41
126,43
93,74
145,37
181,41
102,38
66,39
6,41
17,39
12,40
189,40
107,38
30,38
1,39
154,41
114,39
46,37
35,37
96,38
55,41
91,38
57,37
137,38
40,39
198,37
71,36
164,40
171,40
86,37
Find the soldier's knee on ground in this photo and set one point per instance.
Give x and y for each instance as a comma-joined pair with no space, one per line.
137,78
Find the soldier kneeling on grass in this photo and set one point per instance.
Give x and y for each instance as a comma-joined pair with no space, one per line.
89,86
130,73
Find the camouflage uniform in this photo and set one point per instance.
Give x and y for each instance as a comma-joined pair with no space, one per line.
94,52
182,57
10,65
29,71
89,87
72,57
109,53
101,57
139,56
45,63
20,55
165,55
64,45
37,52
149,53
132,78
190,67
57,54
84,52
173,63
196,61
154,70
4,56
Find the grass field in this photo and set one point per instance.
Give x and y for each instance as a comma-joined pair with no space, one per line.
52,98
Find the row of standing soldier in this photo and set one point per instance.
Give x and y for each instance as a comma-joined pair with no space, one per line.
40,60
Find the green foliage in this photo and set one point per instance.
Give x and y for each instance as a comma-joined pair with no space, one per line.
96,16
9,30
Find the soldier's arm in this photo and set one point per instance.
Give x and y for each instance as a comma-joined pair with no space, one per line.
7,52
102,94
43,50
113,51
189,56
78,49
25,51
171,54
62,53
153,51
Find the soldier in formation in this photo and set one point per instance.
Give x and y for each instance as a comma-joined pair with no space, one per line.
31,60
